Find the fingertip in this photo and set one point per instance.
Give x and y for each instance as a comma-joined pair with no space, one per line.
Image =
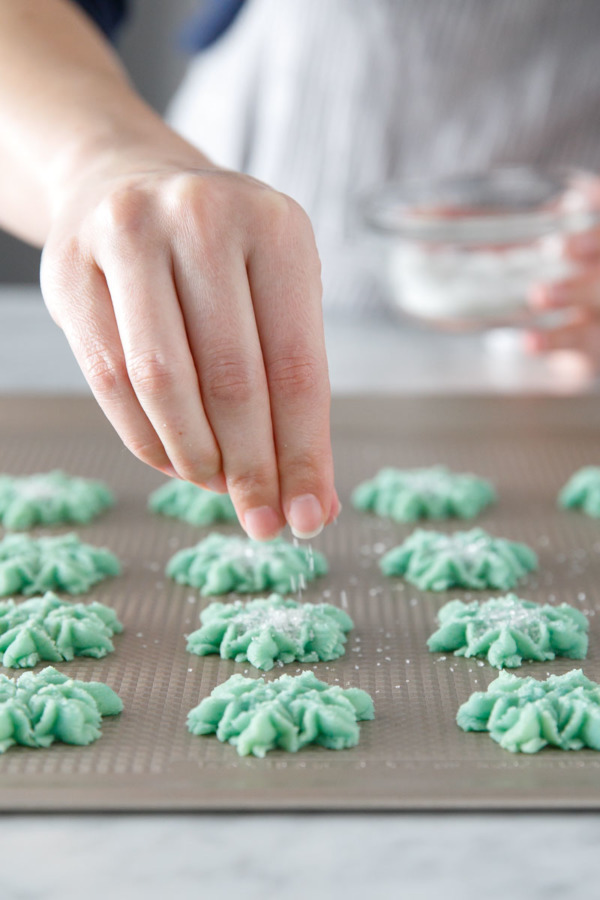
261,523
305,516
217,484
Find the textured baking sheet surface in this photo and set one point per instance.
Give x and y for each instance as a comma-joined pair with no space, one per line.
412,756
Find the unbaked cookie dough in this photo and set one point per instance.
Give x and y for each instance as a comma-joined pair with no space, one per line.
582,491
220,564
36,565
271,630
39,708
407,495
185,501
468,559
50,498
507,630
294,710
56,630
523,714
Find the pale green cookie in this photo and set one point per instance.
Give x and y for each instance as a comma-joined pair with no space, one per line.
507,630
272,629
182,500
469,559
62,563
220,564
436,493
40,708
50,498
52,629
582,491
523,715
257,716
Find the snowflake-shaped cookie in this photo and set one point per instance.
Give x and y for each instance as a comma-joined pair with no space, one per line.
62,563
407,495
469,559
582,491
523,714
40,708
52,629
257,716
185,501
50,498
507,630
220,564
272,629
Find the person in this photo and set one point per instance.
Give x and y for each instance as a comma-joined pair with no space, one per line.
190,294
189,289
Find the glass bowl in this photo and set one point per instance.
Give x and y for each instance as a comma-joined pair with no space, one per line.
465,252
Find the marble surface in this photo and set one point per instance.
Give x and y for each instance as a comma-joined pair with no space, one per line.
259,857
300,857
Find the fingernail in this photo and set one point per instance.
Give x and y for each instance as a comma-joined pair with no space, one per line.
305,516
262,523
217,484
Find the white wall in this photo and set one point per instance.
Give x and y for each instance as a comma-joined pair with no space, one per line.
148,48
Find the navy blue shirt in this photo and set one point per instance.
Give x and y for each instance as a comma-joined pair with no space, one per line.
201,30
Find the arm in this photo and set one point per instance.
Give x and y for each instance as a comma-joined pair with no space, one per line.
189,294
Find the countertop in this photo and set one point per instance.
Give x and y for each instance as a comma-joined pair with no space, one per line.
416,856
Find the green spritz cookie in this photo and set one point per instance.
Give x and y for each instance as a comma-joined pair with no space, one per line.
52,629
468,559
582,491
257,716
50,498
39,708
62,563
407,495
272,629
523,714
220,564
185,501
507,630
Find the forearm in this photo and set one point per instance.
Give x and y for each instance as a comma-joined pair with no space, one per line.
65,104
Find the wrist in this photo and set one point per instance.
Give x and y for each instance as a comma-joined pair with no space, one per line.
131,140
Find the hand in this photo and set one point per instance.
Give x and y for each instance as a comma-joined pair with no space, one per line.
191,299
578,297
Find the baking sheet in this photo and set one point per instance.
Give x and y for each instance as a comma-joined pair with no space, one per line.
412,756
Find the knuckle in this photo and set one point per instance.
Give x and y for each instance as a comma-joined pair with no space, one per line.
281,214
248,484
307,471
151,375
229,381
150,452
294,375
105,374
198,470
124,210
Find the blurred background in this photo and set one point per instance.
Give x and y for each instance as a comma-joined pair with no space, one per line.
148,48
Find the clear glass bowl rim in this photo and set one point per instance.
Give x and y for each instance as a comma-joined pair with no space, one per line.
390,208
